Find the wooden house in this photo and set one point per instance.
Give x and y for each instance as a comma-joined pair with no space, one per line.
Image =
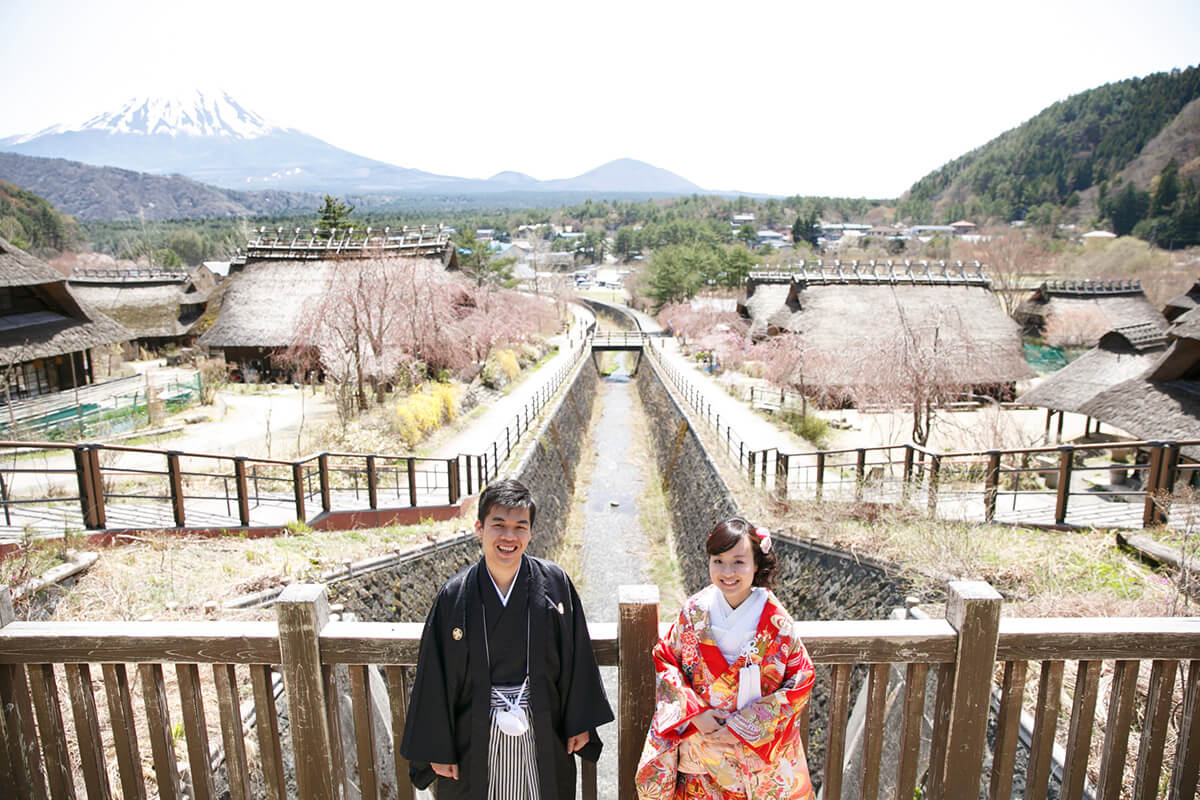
1103,305
1181,304
851,310
261,309
158,307
46,332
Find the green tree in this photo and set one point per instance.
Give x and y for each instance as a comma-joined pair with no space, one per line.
748,234
475,259
677,272
1128,209
334,213
188,245
806,229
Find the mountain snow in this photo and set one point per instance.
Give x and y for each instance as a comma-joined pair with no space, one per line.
192,114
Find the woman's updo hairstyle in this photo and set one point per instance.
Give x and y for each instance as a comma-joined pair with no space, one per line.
726,534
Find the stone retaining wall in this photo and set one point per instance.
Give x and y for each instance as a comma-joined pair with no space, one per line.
402,588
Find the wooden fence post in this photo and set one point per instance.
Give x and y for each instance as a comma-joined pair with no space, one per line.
372,483
1066,455
298,490
412,482
83,472
96,474
973,610
991,484
175,484
302,610
323,477
820,474
21,772
243,492
860,472
781,475
453,480
1150,485
935,469
637,631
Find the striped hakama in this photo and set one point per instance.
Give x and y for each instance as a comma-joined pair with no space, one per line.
512,760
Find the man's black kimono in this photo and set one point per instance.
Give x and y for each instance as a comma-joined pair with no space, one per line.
448,714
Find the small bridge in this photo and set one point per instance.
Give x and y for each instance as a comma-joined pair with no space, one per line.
626,342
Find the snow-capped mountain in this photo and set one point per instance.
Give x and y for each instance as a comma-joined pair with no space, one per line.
193,114
212,138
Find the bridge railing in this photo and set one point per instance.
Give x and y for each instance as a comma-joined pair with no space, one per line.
1133,687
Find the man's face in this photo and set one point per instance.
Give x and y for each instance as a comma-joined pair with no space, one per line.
504,533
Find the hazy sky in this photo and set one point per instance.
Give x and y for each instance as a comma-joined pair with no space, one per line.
794,97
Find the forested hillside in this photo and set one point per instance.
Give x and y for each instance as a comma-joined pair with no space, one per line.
1075,144
31,223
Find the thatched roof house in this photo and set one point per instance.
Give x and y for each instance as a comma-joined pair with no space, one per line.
1121,355
1183,303
263,307
1098,305
46,332
838,309
1163,402
302,244
156,306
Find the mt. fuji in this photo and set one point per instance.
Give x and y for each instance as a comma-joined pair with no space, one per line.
211,138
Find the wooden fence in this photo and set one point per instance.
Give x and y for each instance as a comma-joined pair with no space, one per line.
1152,703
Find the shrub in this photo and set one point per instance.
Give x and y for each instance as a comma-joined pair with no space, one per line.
807,426
422,412
500,369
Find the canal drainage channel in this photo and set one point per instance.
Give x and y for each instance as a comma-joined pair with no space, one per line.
614,550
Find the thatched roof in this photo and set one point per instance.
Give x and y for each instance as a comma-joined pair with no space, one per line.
831,316
1183,303
1121,355
1115,304
146,302
18,268
262,305
66,324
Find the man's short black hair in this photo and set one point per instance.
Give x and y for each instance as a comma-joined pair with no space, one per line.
508,493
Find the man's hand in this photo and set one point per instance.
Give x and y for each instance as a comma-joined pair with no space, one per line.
710,721
576,742
446,770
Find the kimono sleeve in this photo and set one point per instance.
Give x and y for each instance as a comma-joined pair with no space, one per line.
585,706
429,728
675,702
769,721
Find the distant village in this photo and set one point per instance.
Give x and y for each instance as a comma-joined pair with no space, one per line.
1139,375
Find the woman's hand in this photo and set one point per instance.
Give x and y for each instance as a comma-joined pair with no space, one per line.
710,721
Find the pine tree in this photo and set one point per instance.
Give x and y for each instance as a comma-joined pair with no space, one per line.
334,214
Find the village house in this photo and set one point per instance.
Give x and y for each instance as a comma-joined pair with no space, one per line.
848,311
1087,308
46,332
158,307
283,275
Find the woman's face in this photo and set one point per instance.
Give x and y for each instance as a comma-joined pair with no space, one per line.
733,571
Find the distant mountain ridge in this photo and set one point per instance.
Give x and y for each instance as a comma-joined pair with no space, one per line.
214,139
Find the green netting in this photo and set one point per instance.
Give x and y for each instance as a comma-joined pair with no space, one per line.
1045,359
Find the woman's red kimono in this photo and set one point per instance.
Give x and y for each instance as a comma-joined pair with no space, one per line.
759,753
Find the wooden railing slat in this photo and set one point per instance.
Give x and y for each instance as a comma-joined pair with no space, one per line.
637,609
398,700
195,730
333,715
8,783
266,723
158,723
364,730
138,642
120,717
1008,724
803,723
1116,734
835,730
1079,736
1037,773
872,747
915,678
589,780
1154,730
232,735
939,737
44,687
1186,771
87,731
22,738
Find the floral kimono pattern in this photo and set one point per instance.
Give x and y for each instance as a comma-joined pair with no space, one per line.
759,754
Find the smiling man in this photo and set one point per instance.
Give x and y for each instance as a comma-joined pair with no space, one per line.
507,690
